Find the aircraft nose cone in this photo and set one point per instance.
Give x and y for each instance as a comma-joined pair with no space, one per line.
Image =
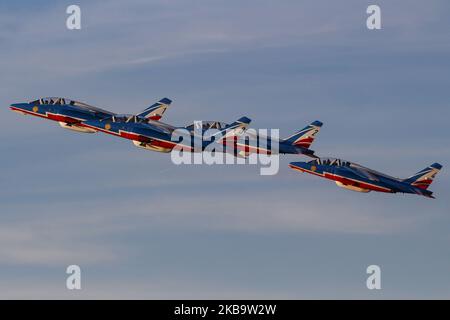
19,106
299,165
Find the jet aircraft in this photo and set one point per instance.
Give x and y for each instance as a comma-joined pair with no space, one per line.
298,143
144,129
158,136
70,113
355,177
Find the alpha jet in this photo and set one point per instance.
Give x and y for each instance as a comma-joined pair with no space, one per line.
162,137
145,128
355,177
298,143
70,113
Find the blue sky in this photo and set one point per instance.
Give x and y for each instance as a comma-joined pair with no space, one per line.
141,227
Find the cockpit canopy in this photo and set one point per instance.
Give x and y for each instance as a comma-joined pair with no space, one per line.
65,101
331,162
205,125
131,118
57,101
126,118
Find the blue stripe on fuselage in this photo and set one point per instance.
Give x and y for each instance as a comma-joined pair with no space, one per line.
63,110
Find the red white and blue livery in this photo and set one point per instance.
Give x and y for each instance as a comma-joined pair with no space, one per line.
355,177
144,129
298,143
162,137
70,113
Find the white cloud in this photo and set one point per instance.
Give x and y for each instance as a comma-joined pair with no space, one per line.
67,230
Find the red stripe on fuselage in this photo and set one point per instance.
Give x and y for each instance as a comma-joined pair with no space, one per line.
151,141
29,112
305,170
136,137
344,180
356,183
48,115
60,118
247,148
99,129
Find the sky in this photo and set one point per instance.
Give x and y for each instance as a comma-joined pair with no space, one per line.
141,227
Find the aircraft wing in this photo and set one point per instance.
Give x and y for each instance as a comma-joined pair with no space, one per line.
158,128
362,173
97,111
101,111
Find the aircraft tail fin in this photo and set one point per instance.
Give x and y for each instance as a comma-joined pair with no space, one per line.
237,128
156,110
305,137
424,178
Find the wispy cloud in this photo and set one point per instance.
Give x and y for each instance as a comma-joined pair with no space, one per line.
68,230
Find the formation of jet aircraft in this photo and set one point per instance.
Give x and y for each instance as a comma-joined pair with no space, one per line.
146,130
